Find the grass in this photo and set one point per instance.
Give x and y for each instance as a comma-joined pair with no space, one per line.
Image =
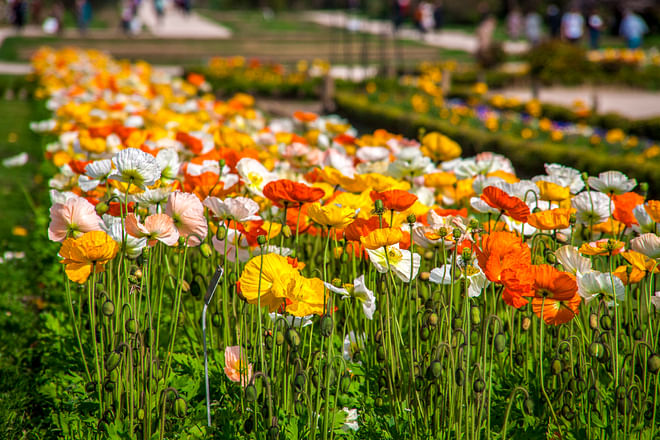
25,290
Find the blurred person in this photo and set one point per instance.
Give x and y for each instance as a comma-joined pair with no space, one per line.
35,11
553,18
633,27
83,14
572,26
439,15
19,13
533,27
424,17
514,23
401,8
159,6
595,25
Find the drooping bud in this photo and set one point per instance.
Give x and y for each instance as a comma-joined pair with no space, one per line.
327,325
206,250
108,308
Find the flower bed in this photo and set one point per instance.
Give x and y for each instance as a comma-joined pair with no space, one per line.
343,285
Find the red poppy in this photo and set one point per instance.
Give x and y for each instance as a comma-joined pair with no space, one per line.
344,139
191,142
78,166
624,205
115,208
284,192
511,206
361,228
196,79
556,298
394,199
296,217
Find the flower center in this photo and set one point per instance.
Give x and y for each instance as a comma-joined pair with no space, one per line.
394,255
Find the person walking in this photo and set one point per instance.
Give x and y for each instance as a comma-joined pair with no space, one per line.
595,25
633,27
572,26
533,27
553,18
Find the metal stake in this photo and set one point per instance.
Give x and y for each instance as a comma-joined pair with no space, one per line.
207,300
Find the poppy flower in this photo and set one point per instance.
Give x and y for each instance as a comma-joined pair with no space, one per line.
394,199
624,205
382,237
72,218
135,167
188,214
284,191
331,215
402,262
518,281
558,218
156,227
500,250
240,209
360,228
602,247
305,116
439,147
237,368
552,192
556,299
91,251
652,207
612,182
592,207
647,244
511,206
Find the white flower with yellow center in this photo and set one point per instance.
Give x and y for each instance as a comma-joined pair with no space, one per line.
402,262
468,272
254,174
136,167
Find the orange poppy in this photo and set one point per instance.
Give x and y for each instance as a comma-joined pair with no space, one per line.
394,199
78,166
511,206
556,298
500,250
192,143
284,192
518,282
653,209
602,247
87,253
558,218
305,116
624,205
196,79
362,227
382,237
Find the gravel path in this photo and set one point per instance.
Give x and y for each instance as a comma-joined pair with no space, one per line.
632,103
176,24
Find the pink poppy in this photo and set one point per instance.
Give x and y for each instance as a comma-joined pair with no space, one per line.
156,227
72,218
187,212
237,368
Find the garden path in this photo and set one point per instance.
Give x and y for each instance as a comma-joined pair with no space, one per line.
448,39
628,102
175,24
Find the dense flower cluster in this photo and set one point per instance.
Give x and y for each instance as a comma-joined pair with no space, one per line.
150,163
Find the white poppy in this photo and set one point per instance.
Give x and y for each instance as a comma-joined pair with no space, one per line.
372,154
254,174
113,227
592,207
135,166
15,161
402,262
469,272
565,176
594,284
569,257
647,244
240,209
350,422
612,182
168,161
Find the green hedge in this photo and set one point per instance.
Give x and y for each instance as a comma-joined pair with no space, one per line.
527,156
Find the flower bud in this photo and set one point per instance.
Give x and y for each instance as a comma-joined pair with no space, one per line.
378,207
459,377
113,360
424,276
432,319
206,250
292,337
653,363
606,322
644,188
435,370
593,321
345,383
519,359
299,382
428,255
216,320
456,233
286,230
528,406
102,208
326,326
567,412
131,326
221,164
380,353
108,308
268,342
556,367
526,323
140,414
499,342
475,315
424,333
279,338
108,386
250,393
411,218
221,233
478,385
182,240
261,240
90,387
